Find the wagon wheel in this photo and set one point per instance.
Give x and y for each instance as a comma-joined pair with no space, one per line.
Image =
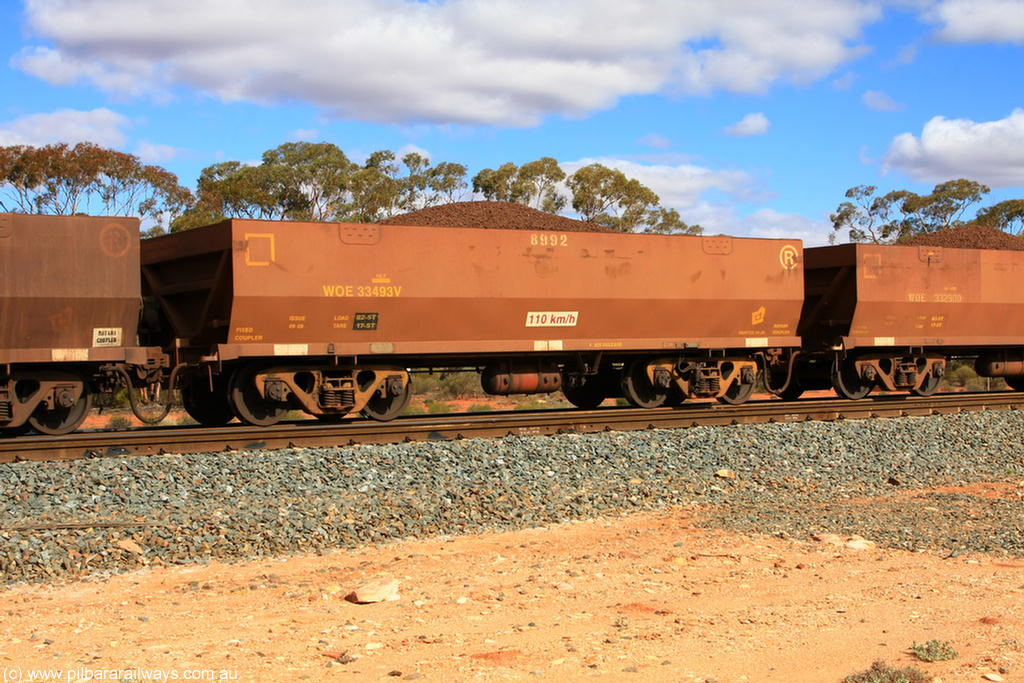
737,393
249,406
637,388
588,395
846,382
390,405
929,386
150,403
208,408
62,420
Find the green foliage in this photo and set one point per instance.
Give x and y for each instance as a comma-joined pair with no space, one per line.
480,408
962,376
531,404
881,673
533,184
118,422
607,197
86,179
934,651
317,182
1007,216
115,399
667,222
901,214
496,185
437,407
449,385
537,185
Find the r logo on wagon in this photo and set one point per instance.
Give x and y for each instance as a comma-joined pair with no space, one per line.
789,257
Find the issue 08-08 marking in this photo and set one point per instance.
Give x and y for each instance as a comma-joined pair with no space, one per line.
552,318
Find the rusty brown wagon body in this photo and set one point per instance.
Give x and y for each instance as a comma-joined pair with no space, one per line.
302,310
69,314
892,315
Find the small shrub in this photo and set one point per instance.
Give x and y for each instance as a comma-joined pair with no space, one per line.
437,407
119,422
116,399
934,651
480,408
531,404
985,384
882,673
415,410
449,385
461,385
962,376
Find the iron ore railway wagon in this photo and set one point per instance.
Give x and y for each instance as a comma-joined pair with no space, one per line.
330,318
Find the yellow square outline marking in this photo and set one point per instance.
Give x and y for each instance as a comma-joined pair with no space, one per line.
250,235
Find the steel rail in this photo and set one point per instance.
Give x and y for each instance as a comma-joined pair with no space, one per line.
309,433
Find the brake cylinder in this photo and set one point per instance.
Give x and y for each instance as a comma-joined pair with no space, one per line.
1000,364
507,378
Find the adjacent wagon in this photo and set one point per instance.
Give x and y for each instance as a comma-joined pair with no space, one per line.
892,316
69,316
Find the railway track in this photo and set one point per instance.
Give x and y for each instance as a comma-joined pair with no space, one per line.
191,439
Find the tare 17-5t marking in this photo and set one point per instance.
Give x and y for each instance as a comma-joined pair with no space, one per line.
552,318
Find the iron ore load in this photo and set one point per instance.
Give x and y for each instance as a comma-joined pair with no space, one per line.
252,319
330,318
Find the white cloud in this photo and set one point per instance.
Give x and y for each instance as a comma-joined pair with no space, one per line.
684,187
304,134
677,186
771,223
751,124
906,56
656,141
411,149
991,152
844,82
879,101
152,153
505,62
100,126
966,21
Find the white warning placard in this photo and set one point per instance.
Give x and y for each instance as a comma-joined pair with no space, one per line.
106,337
552,318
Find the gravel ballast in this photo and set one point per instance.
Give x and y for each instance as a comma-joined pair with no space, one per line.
796,479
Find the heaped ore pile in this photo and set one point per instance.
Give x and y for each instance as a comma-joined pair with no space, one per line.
507,215
971,236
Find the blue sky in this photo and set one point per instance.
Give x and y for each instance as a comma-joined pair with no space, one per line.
749,117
